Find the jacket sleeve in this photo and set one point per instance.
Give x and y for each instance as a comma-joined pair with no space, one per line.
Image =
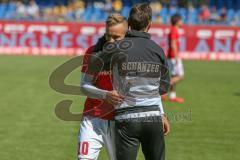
165,75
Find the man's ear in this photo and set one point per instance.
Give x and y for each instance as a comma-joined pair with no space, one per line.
149,25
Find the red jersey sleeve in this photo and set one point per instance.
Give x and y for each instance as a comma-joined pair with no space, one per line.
86,59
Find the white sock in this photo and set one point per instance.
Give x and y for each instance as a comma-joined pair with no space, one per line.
172,95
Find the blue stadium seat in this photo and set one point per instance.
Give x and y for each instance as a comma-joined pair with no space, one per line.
164,14
3,7
10,10
229,4
125,11
105,15
88,14
230,15
238,17
98,15
212,3
238,4
183,13
173,11
12,6
192,16
220,3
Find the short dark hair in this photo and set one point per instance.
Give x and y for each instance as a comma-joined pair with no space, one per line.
175,18
140,16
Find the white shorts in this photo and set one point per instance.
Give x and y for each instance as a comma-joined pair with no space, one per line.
176,67
94,133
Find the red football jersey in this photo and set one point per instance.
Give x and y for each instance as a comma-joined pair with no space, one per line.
95,107
173,35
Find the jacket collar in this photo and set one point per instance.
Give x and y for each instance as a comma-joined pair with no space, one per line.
135,33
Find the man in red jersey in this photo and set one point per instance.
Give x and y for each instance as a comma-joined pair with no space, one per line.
174,60
96,128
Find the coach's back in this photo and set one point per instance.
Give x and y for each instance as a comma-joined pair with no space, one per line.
138,67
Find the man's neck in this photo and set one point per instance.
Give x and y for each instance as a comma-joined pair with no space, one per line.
144,30
176,26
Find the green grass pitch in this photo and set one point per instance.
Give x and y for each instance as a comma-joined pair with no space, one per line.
205,127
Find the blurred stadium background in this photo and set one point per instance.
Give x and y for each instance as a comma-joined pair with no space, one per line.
192,11
206,126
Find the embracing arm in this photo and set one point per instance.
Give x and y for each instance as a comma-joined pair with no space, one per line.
89,89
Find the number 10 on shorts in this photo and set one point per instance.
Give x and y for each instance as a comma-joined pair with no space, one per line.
84,148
